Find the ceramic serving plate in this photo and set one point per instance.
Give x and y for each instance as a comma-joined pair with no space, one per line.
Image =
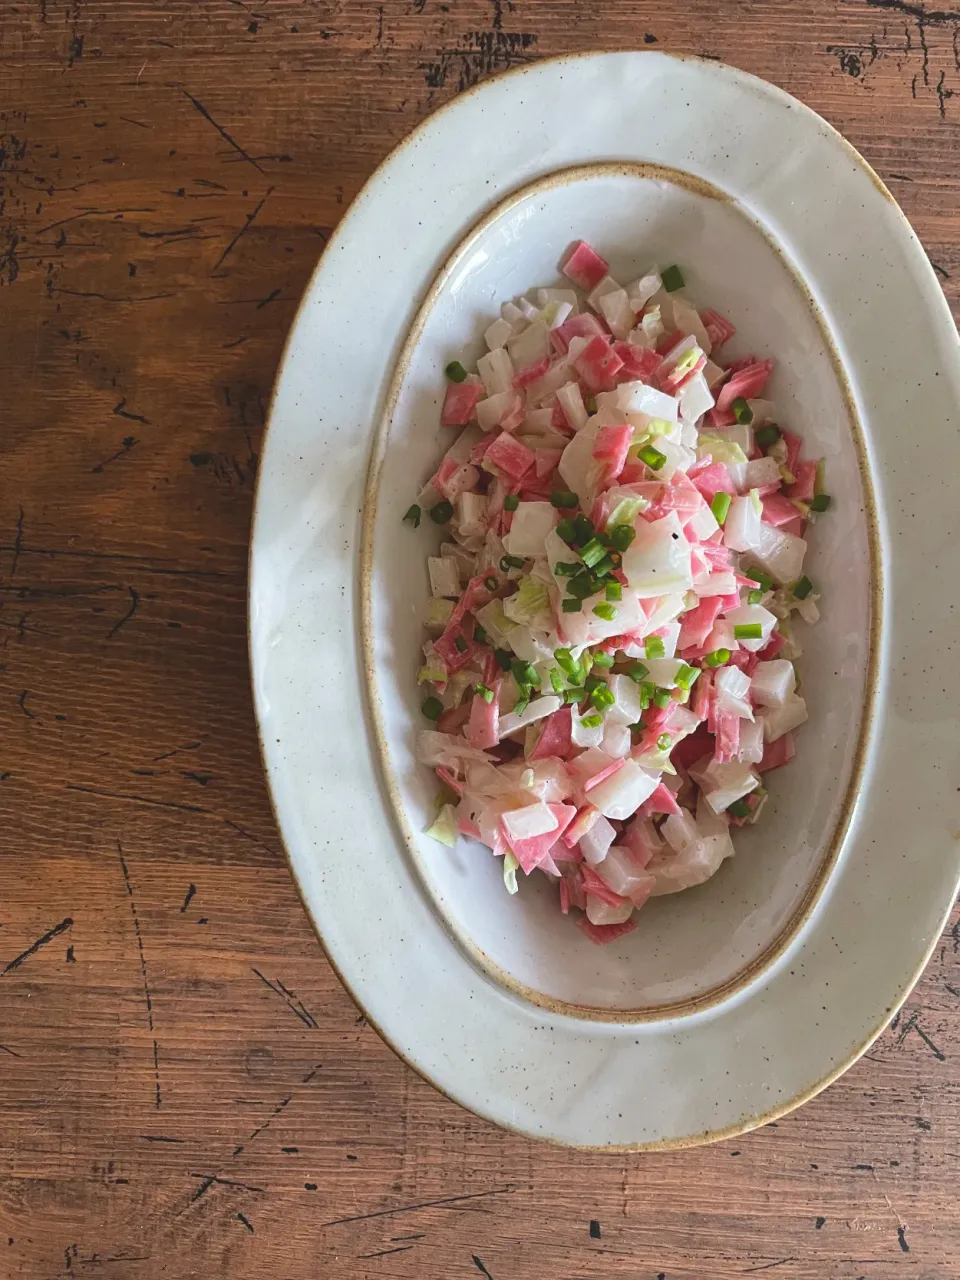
733,1002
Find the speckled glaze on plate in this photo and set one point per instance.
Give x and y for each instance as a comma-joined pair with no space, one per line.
818,930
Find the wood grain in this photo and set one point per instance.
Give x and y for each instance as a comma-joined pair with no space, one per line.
185,1089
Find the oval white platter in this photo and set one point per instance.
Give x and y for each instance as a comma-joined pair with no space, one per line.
734,1002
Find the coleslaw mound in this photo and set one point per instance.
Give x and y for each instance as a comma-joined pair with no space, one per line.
609,668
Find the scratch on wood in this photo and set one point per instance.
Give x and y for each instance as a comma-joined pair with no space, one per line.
294,1004
134,601
220,129
143,970
55,932
423,1204
119,795
246,1222
22,704
159,1137
191,890
17,543
6,1049
248,223
767,1266
478,1263
382,1253
126,445
134,417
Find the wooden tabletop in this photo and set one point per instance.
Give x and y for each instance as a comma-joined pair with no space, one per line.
185,1088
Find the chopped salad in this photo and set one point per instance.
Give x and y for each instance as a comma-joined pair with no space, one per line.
609,668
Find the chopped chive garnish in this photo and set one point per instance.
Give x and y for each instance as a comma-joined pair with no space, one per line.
455,371
511,562
563,569
719,658
768,435
574,695
567,664
602,697
720,506
590,404
572,606
524,672
602,566
592,721
485,693
566,530
442,513
763,580
739,809
432,708
663,742
742,411
479,635
412,516
557,680
621,535
652,457
654,646
820,503
564,498
802,587
687,677
613,591
522,704
491,583
605,611
580,587
511,502
672,279
504,658
461,644
637,672
748,631
647,690
755,596
662,698
601,659
593,682
583,528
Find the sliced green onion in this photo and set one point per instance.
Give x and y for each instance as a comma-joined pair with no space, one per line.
511,562
652,457
662,698
580,587
566,530
455,371
719,658
572,606
768,435
664,742
602,697
613,591
569,667
802,587
432,708
590,404
755,596
748,631
524,672
461,644
504,658
574,695
621,535
485,693
763,580
479,635
583,528
442,513
601,659
564,498
654,647
739,809
686,677
412,516
564,569
742,411
511,502
672,279
820,503
557,680
592,721
491,583
605,611
522,704
637,672
647,690
593,682
720,506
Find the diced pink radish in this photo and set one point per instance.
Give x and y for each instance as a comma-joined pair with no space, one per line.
713,480
599,888
546,462
453,720
460,403
514,413
531,373
449,779
772,647
532,851
601,934
584,266
745,362
554,738
585,325
564,895
585,819
598,365
747,383
479,451
662,801
778,510
728,737
483,728
718,329
510,456
468,828
696,624
611,447
794,445
806,473
452,657
639,363
797,526
721,417
778,753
